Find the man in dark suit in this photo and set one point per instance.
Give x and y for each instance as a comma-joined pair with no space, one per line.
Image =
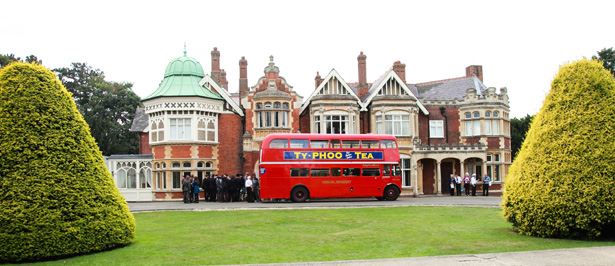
186,189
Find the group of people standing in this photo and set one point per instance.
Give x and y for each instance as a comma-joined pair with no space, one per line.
223,188
469,183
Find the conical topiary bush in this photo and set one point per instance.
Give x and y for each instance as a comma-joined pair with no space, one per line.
57,198
562,182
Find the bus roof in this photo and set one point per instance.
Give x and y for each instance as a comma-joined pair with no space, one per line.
328,136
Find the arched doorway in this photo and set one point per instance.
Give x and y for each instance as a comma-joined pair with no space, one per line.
448,167
428,173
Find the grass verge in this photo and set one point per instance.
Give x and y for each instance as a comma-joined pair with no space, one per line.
279,236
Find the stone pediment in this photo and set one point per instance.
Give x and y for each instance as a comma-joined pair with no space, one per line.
272,93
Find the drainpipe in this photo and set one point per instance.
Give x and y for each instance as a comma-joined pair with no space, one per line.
443,112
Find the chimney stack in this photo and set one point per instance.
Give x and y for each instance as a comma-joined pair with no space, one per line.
400,70
318,80
475,70
243,77
363,87
215,64
223,82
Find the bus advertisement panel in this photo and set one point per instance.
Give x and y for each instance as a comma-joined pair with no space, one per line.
303,166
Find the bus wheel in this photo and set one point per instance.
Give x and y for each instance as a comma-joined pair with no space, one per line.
391,193
299,194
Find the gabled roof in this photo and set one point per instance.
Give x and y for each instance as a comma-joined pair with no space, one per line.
140,122
449,89
378,84
333,73
208,81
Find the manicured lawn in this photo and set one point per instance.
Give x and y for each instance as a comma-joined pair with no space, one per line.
276,236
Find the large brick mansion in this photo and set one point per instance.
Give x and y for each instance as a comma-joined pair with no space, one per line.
194,124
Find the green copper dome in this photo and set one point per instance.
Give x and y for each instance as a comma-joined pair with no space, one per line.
181,78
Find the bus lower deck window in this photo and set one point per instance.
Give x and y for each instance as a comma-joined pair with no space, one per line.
386,170
336,172
298,172
371,171
352,171
396,170
319,172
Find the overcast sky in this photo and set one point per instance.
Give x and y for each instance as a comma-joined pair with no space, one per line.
520,44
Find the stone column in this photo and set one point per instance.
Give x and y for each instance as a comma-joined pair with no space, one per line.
438,179
416,179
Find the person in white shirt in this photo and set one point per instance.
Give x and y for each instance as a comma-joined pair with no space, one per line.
249,189
458,185
473,184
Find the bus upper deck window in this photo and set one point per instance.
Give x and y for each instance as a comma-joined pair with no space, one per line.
350,144
388,144
278,143
319,144
298,143
369,144
335,143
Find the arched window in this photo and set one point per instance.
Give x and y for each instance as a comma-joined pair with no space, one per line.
476,114
132,178
259,106
145,177
175,165
187,165
199,164
276,105
468,115
488,114
121,178
208,165
496,114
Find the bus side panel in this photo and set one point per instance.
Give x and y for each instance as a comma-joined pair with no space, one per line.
275,182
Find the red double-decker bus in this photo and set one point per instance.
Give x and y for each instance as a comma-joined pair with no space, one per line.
303,166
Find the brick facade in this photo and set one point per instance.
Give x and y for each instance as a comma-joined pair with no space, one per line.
364,105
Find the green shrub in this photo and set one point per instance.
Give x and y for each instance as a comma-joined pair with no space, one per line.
562,182
57,198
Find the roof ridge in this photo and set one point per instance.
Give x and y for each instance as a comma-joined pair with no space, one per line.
442,80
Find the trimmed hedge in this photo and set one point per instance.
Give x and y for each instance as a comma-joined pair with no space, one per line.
562,182
57,198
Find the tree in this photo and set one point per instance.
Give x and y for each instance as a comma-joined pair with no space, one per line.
561,183
518,128
9,58
57,197
33,59
6,59
108,107
607,57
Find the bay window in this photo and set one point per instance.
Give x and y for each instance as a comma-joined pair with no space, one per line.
180,128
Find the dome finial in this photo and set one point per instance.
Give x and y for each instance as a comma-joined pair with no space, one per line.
185,49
